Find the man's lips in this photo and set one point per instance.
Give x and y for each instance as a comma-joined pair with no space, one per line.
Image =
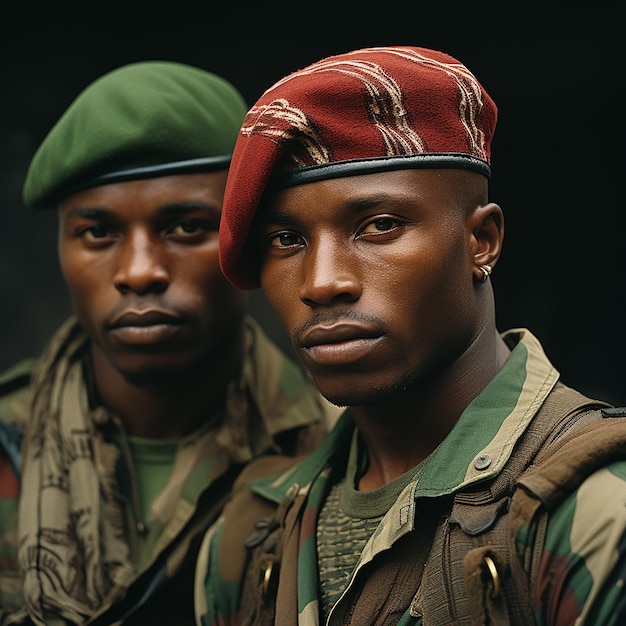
336,333
144,317
145,327
339,344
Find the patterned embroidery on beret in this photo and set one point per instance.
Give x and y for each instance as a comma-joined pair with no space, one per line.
385,105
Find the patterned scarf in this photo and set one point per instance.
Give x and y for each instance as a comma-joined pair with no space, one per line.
73,549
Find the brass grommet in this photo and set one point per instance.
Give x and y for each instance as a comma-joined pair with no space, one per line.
267,577
495,577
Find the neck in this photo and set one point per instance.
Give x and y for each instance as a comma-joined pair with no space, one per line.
424,415
170,408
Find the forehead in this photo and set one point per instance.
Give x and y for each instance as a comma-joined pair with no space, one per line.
427,187
205,188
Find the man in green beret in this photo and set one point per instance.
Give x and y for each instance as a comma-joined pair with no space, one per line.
121,442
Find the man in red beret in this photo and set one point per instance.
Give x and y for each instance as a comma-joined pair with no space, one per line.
465,483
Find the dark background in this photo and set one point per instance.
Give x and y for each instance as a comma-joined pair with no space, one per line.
555,70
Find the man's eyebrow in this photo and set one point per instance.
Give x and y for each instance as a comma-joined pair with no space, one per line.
171,209
365,204
182,208
281,218
89,213
284,218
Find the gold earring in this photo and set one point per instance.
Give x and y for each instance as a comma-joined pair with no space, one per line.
486,270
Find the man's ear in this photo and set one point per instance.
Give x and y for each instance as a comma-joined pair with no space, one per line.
486,224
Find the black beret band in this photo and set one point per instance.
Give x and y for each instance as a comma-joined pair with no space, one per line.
189,166
300,176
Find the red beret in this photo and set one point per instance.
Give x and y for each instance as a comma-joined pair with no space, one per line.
365,111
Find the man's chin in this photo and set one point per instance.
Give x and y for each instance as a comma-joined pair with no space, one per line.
157,373
350,395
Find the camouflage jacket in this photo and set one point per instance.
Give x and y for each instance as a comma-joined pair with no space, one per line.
284,414
582,550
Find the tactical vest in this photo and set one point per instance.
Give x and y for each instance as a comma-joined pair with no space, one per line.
472,574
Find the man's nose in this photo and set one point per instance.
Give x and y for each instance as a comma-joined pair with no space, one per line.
142,264
329,273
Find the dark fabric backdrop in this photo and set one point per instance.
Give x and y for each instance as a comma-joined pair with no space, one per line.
555,70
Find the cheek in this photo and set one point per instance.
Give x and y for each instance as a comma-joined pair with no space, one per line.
197,271
88,300
426,281
280,290
79,273
196,279
89,277
220,295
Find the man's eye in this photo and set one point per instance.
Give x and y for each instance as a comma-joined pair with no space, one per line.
96,232
186,228
284,240
193,229
381,225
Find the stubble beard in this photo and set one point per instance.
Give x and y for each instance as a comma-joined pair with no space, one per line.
374,395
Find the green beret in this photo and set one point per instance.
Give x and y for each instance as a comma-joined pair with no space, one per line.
142,120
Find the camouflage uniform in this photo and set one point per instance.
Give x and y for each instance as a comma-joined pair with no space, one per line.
281,413
583,563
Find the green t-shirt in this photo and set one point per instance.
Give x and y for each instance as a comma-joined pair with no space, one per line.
153,460
347,520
